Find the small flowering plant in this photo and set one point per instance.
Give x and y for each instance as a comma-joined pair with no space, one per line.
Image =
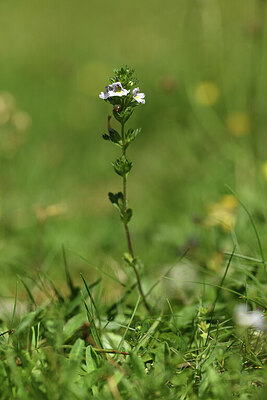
124,95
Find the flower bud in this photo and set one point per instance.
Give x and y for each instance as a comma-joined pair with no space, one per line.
116,108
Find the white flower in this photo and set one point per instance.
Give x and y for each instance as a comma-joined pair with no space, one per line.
103,95
139,97
253,319
115,89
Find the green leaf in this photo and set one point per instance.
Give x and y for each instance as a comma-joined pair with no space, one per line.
138,365
127,113
132,133
122,166
129,214
145,339
124,114
114,136
31,319
105,136
126,215
116,199
125,75
92,359
72,325
162,352
76,354
128,258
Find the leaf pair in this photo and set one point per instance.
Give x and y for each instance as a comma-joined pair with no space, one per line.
123,115
117,201
113,136
122,166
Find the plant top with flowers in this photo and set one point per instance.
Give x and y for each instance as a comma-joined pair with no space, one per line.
124,95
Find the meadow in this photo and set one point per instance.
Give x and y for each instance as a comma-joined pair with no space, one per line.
72,322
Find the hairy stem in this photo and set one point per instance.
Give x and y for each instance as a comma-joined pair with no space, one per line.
127,232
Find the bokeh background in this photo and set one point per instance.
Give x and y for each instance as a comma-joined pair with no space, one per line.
202,65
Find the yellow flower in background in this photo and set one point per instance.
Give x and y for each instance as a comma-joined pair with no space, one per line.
14,124
21,120
264,169
238,124
207,93
215,261
223,213
43,213
7,106
229,202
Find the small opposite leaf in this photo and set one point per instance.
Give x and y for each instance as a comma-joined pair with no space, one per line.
116,199
128,215
114,136
105,136
128,258
127,113
123,115
132,133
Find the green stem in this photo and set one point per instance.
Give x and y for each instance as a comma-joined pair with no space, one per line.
127,232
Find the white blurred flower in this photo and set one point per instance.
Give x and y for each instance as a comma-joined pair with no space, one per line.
113,90
253,319
139,97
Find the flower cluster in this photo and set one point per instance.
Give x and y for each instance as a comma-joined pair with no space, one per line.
121,86
123,93
116,90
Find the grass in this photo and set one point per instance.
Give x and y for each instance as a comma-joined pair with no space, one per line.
74,346
71,322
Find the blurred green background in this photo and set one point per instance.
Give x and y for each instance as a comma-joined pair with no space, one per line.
202,65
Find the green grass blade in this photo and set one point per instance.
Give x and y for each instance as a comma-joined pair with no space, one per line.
167,273
28,291
98,269
254,227
129,324
91,297
67,273
247,258
93,327
15,307
218,292
148,334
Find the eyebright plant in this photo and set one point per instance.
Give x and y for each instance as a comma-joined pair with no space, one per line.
124,95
